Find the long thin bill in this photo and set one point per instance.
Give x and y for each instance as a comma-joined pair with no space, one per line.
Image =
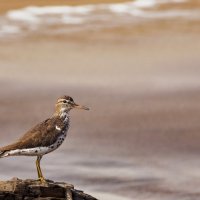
81,107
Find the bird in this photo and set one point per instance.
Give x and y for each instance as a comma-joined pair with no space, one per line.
46,136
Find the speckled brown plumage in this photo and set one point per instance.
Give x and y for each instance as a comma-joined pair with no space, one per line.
42,135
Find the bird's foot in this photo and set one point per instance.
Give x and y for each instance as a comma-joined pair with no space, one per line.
42,180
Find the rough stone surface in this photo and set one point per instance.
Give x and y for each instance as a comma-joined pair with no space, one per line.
17,189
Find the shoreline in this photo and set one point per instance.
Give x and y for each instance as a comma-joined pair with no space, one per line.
16,4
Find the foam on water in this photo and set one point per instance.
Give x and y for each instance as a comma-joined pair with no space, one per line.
152,3
9,29
76,18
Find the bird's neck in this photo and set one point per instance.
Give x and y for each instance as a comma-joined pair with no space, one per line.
63,114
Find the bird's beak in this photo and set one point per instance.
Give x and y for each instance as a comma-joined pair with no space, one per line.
80,107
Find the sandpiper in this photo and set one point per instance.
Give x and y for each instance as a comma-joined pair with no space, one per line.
44,137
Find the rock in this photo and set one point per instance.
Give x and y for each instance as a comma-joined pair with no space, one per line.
17,189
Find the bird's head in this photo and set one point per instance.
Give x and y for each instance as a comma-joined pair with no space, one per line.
66,103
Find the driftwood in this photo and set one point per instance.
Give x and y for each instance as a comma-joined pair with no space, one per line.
17,189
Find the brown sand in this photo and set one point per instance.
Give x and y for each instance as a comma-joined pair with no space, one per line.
16,4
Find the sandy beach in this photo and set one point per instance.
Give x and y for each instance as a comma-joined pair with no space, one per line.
141,139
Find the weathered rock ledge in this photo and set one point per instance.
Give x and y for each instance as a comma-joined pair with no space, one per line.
17,189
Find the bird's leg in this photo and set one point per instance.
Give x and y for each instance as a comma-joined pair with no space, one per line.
38,167
39,171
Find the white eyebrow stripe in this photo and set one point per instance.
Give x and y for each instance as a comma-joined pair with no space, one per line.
58,128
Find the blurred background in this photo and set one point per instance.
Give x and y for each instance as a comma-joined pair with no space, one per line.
135,64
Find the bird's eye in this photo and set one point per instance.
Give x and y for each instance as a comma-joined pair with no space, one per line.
64,101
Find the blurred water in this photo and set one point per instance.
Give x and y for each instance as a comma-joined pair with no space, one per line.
51,20
109,161
110,178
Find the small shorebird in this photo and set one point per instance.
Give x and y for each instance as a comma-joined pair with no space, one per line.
44,137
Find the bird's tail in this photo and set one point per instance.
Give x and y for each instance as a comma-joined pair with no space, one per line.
4,151
2,154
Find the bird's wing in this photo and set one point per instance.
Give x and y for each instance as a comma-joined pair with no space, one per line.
43,134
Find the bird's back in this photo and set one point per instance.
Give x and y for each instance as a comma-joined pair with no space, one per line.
44,134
